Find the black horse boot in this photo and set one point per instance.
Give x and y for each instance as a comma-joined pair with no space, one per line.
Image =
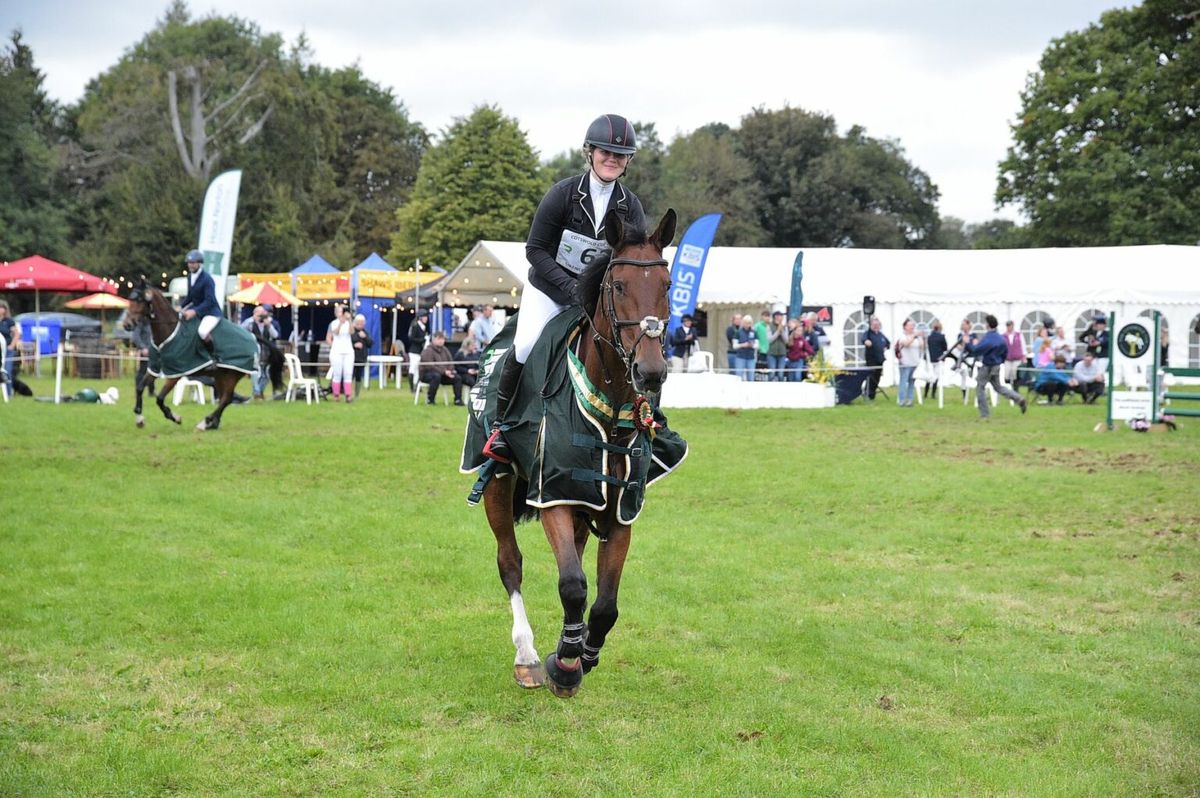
496,447
208,344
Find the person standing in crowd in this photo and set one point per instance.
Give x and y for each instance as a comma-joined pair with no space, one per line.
1087,379
1054,381
569,225
991,351
875,347
466,363
483,327
437,368
761,333
1044,349
341,352
777,346
418,332
798,351
683,343
731,336
1060,344
936,342
747,349
1015,357
10,331
1095,338
910,347
259,325
361,340
1164,346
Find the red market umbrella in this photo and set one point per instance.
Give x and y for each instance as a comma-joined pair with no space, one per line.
39,274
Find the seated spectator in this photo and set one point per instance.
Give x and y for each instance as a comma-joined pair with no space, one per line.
466,361
1087,379
1052,382
437,368
1043,349
1061,346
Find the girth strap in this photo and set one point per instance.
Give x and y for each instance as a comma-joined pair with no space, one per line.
588,475
585,441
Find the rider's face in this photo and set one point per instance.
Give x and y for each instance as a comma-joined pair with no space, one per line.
608,166
193,266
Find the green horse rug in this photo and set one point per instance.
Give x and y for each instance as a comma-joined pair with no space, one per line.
183,353
556,428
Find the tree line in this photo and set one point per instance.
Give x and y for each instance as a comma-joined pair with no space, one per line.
1105,151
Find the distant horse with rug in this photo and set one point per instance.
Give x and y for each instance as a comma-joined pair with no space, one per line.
177,352
587,442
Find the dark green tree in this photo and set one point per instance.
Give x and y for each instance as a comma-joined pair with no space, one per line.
703,173
480,181
33,217
1106,149
817,188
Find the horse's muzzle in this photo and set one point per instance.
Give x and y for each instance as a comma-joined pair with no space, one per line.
649,378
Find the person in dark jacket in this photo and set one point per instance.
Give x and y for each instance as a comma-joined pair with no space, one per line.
937,351
875,347
683,343
201,299
362,342
567,235
991,351
437,368
418,331
466,361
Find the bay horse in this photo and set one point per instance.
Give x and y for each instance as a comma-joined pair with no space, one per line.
149,303
626,298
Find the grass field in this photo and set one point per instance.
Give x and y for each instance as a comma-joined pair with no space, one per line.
859,601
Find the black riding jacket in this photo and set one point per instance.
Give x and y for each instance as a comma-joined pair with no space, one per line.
564,234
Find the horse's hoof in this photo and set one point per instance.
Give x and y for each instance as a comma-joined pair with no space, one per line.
176,419
140,421
203,425
562,682
530,676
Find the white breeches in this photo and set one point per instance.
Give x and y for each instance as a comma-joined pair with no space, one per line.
208,324
537,310
341,367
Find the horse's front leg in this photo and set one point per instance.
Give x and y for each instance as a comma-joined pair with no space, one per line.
610,562
564,672
161,400
145,382
497,502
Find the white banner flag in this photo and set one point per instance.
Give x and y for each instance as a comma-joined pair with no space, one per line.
216,227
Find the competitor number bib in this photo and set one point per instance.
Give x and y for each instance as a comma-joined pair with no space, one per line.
576,251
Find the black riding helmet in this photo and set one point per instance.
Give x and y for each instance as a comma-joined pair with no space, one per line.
613,133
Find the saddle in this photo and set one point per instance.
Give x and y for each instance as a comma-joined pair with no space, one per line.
183,353
557,425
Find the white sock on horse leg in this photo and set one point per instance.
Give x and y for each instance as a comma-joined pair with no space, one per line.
522,633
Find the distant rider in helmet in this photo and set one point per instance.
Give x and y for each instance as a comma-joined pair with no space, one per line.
201,299
567,235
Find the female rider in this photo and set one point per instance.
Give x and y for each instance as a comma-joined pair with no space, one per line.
566,236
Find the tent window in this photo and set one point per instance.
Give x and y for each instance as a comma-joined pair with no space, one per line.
1149,314
978,319
924,319
852,333
1194,343
1081,324
1031,325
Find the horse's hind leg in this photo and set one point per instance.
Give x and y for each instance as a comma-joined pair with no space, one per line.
610,562
161,401
225,382
497,502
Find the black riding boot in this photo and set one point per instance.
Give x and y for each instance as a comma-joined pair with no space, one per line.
208,344
510,376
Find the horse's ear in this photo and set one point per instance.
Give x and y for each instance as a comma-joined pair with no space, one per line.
614,229
664,234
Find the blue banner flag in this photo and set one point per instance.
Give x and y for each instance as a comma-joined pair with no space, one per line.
796,307
688,267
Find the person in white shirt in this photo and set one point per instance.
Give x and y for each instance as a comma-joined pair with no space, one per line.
1087,379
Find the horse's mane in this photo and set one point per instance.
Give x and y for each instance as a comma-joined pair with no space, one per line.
593,276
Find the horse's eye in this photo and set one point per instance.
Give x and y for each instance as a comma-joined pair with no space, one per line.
619,287
667,289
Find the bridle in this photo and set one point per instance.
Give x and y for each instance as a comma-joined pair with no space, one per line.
650,326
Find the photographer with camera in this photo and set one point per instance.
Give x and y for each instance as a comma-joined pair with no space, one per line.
262,327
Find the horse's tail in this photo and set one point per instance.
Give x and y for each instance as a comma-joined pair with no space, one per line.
522,511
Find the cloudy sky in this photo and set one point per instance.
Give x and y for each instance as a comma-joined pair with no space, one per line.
940,76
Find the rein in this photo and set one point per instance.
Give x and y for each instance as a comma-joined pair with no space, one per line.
650,326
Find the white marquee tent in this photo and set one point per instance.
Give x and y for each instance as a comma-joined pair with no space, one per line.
1025,285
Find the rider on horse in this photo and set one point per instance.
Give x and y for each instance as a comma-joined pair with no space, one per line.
201,299
566,236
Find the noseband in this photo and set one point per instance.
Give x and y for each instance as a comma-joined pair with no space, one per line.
650,326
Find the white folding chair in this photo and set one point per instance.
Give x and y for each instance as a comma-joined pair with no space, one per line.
186,384
953,377
443,389
5,388
298,382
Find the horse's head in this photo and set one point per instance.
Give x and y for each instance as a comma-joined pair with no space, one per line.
139,304
630,305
